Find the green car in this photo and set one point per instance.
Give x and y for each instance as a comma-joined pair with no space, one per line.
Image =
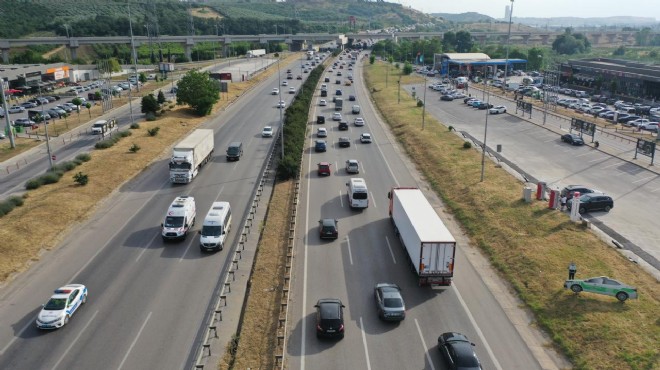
603,285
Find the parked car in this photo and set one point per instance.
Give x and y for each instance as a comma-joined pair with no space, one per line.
458,351
482,106
572,139
389,302
24,122
447,97
569,190
497,109
593,202
602,285
329,318
16,109
328,228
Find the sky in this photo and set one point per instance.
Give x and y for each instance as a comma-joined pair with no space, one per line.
541,8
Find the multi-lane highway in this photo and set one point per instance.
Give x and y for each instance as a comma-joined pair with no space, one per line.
368,252
147,299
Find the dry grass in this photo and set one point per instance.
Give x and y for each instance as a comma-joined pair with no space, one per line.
257,342
531,245
22,241
206,12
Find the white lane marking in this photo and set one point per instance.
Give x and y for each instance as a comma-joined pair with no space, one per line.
364,343
644,179
191,242
134,341
476,328
387,240
341,201
350,255
146,247
220,192
373,199
426,349
75,340
20,334
652,191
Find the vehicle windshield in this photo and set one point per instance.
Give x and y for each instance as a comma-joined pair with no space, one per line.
210,230
360,195
174,221
180,166
393,302
467,362
55,304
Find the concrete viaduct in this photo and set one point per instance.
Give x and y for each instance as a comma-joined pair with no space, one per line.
297,41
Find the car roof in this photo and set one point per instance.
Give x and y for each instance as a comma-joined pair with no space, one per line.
324,163
330,308
328,222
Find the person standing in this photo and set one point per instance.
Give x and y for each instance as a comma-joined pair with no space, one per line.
563,202
572,269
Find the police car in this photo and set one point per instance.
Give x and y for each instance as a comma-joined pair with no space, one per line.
61,306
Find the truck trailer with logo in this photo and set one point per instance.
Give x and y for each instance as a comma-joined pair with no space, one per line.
190,154
430,246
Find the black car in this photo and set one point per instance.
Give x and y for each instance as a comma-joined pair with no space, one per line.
447,97
343,126
594,202
344,142
351,97
328,228
569,190
320,146
458,351
329,318
320,119
327,79
483,106
572,139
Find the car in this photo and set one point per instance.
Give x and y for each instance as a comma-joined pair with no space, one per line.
275,91
602,285
338,92
292,90
321,132
389,302
348,83
447,97
338,73
16,109
351,98
650,126
338,82
569,190
267,131
343,125
324,168
352,166
65,108
329,318
320,120
458,95
2,136
61,306
25,122
365,138
299,77
359,122
572,139
593,202
320,146
499,109
328,228
344,142
289,76
336,116
281,104
285,83
29,104
458,352
327,79
323,102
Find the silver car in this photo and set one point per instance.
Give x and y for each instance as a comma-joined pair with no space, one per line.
389,302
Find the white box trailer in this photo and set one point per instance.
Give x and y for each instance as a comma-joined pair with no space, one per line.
256,53
190,154
430,247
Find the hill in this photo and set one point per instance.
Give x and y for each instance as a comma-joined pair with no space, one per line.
576,22
471,17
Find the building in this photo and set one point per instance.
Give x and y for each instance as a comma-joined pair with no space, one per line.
472,64
613,76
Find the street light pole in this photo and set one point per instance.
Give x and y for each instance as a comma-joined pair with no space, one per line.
508,40
279,83
424,105
50,156
484,148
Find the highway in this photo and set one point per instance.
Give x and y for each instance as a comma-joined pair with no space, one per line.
367,252
147,299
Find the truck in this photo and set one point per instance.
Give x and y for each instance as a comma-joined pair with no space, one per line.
103,127
310,54
339,104
430,247
255,53
189,155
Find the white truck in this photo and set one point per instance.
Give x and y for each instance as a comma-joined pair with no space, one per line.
430,247
255,53
190,154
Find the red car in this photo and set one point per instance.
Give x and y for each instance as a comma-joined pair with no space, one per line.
324,168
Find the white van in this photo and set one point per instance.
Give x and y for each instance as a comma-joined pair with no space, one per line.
216,226
103,127
179,219
358,194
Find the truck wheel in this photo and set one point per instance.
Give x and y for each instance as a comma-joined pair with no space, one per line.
396,231
576,288
622,296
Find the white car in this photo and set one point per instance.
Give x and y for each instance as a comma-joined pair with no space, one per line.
365,138
16,109
359,122
281,104
321,132
285,83
322,103
352,166
336,116
267,131
61,306
275,91
650,126
292,90
499,109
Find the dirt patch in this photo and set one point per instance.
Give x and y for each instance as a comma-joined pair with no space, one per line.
206,13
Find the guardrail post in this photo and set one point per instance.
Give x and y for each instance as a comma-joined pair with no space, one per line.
207,346
219,314
228,287
215,331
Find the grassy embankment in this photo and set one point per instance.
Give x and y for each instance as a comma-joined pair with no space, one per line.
531,245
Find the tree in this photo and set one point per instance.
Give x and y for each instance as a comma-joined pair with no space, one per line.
535,59
570,43
198,91
161,97
149,104
88,105
449,41
372,59
619,51
642,38
463,42
407,69
143,77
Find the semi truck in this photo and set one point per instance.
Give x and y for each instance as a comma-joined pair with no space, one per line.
190,154
429,245
339,104
256,53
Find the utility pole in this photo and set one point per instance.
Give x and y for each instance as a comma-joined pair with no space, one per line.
50,156
10,132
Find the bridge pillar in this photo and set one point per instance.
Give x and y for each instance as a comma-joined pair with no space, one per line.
296,45
544,39
225,50
525,39
5,56
74,52
188,47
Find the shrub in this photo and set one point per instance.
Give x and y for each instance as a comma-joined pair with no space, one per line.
450,128
104,144
78,162
172,106
135,126
467,145
51,177
6,207
16,200
81,179
420,103
134,148
150,116
85,157
32,184
125,133
153,131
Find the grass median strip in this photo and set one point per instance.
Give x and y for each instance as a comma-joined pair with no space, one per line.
530,244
